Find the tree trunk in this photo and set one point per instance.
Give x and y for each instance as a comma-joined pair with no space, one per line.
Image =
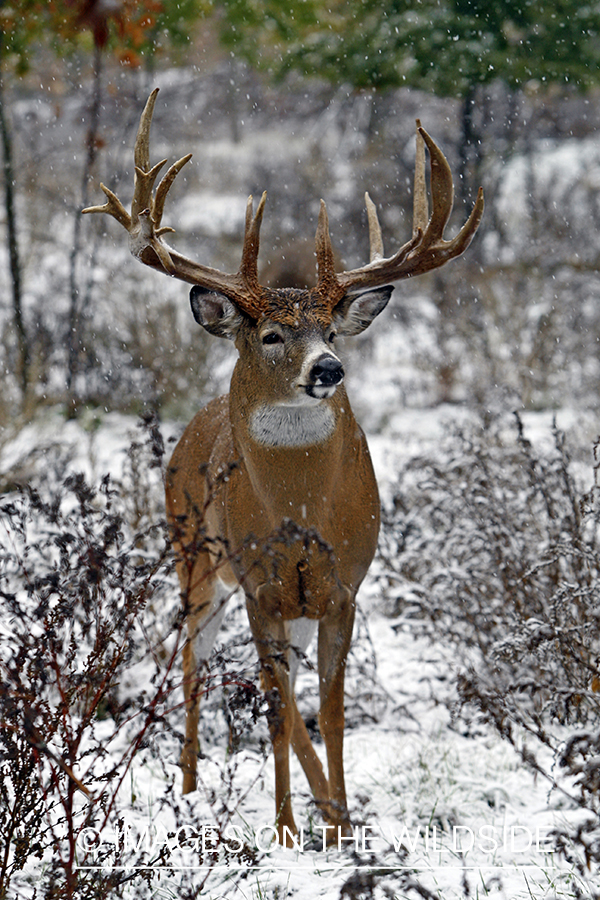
12,239
469,150
76,314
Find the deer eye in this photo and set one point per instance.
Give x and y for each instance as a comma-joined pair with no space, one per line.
272,337
332,337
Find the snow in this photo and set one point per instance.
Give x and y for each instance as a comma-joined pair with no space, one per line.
454,811
213,214
555,185
471,820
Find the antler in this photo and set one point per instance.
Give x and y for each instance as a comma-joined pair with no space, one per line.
145,230
427,248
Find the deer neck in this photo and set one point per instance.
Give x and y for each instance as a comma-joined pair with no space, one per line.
314,427
291,427
290,449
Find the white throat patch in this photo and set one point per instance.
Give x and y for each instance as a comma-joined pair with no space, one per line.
292,426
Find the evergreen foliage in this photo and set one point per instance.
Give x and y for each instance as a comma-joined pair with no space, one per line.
445,46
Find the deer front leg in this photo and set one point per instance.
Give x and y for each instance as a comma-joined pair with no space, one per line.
192,686
204,599
309,761
335,634
299,634
271,645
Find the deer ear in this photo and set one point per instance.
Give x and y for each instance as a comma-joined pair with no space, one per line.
356,312
215,312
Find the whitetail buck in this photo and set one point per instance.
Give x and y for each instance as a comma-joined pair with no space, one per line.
272,487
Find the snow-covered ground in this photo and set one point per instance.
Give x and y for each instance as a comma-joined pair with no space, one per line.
434,803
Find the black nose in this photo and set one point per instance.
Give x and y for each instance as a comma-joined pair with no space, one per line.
327,370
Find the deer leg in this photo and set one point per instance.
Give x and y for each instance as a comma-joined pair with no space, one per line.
205,598
272,647
300,634
309,760
335,633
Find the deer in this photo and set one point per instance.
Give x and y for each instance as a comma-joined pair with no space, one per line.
271,487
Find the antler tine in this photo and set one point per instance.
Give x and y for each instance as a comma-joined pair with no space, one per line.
113,207
420,205
464,237
375,238
328,286
442,190
325,261
161,193
249,264
141,150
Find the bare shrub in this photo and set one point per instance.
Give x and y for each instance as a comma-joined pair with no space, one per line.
493,545
73,585
91,631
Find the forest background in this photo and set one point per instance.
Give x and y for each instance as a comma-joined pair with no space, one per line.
478,391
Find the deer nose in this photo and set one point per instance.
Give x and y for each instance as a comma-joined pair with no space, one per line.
327,371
